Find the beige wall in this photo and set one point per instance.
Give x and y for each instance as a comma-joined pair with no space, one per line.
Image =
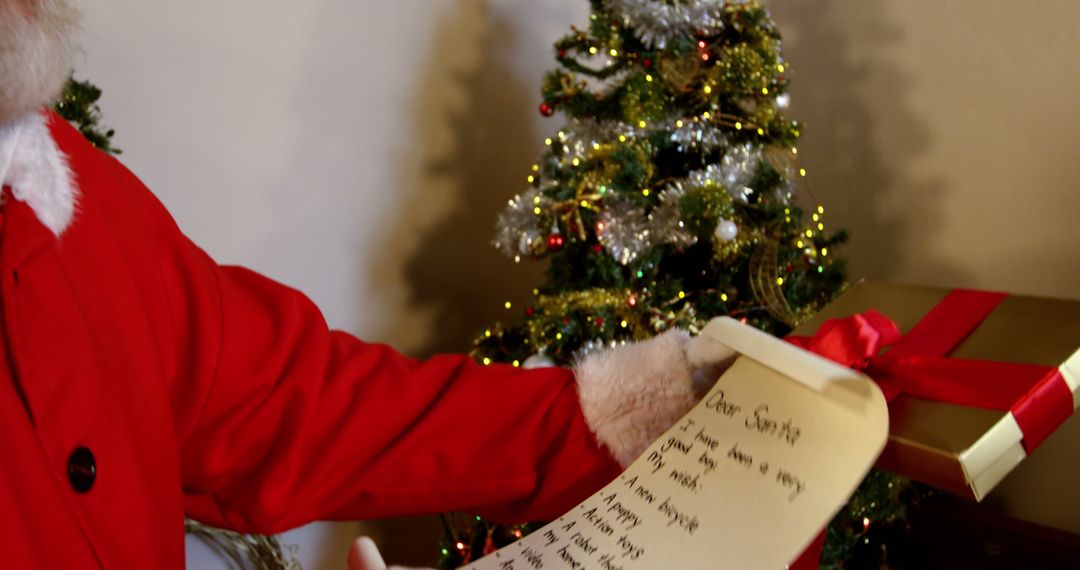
943,134
360,150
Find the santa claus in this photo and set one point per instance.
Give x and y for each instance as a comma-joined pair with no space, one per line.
140,381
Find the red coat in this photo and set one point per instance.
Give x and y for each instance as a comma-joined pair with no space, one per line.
211,391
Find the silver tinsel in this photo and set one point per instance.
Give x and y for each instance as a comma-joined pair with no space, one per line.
666,219
625,234
695,135
735,171
579,135
518,231
657,22
628,232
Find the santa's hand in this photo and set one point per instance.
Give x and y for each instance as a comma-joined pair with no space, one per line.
631,394
364,555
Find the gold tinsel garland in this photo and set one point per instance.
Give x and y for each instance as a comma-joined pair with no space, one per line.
765,280
587,300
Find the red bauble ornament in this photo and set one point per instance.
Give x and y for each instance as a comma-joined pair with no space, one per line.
599,321
646,62
790,268
562,54
529,311
597,248
555,242
547,110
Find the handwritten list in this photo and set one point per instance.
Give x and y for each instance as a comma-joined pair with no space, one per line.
746,479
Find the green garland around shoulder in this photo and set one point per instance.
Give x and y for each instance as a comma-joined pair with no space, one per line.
78,105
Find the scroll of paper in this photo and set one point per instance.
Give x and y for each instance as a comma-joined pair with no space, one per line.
745,480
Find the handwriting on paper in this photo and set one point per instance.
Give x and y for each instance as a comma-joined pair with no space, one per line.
603,534
742,481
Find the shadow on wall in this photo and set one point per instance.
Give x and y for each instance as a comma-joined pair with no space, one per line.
468,149
862,138
472,123
473,128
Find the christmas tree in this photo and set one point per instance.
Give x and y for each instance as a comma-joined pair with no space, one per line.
668,197
671,195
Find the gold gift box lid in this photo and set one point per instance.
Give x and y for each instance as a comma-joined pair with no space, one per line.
962,449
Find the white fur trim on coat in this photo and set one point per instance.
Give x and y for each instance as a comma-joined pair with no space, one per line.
37,171
633,393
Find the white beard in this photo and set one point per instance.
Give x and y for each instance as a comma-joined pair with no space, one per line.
35,54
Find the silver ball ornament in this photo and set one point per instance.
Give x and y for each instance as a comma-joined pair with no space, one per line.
539,360
726,230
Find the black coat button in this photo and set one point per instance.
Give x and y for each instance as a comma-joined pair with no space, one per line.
82,469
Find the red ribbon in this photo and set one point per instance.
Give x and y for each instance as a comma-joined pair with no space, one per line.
917,363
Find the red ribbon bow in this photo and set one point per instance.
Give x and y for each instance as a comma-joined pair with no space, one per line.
917,363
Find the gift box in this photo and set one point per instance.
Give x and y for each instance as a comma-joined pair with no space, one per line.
975,380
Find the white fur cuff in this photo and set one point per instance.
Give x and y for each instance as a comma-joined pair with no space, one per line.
631,394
